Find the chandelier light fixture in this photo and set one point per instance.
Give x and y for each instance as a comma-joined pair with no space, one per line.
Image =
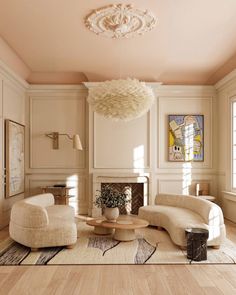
121,100
120,21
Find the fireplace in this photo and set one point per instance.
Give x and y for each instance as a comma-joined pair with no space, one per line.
137,186
135,192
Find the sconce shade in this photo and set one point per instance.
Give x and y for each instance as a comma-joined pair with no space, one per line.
77,142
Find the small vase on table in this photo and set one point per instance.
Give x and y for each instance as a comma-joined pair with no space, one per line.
111,214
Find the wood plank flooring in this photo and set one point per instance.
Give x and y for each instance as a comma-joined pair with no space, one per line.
120,279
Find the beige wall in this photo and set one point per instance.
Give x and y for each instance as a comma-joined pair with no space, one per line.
226,92
61,109
113,148
140,146
12,106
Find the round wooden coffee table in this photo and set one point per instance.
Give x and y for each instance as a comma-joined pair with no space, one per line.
124,227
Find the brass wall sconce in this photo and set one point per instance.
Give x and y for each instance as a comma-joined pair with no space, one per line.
55,140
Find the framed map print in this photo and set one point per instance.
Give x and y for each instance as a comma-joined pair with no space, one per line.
186,138
14,158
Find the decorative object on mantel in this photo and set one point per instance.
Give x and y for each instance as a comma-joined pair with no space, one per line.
122,99
186,138
14,162
111,200
120,20
55,137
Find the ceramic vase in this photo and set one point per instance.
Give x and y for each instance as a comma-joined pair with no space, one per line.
111,214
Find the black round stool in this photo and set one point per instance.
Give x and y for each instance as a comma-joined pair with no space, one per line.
196,243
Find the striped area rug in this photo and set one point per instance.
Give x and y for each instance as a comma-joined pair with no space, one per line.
150,247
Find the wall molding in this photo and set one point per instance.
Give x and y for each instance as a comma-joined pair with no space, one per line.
95,166
12,76
62,96
226,81
56,87
154,85
210,180
160,124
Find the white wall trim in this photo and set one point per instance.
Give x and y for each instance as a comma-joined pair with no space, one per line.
203,90
52,87
229,196
210,98
12,76
95,166
95,84
55,97
226,80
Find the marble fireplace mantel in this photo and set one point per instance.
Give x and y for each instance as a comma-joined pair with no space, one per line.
99,178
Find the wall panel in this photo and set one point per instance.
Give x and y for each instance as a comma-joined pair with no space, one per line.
13,108
121,145
184,106
61,109
63,114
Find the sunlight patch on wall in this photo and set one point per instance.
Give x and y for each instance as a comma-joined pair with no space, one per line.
189,142
138,159
72,181
187,178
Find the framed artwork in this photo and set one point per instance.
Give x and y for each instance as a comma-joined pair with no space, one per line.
14,158
186,138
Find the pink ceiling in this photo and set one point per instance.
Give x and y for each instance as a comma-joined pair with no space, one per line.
193,43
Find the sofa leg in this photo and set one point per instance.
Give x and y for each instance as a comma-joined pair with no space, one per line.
183,247
70,246
34,249
160,228
216,247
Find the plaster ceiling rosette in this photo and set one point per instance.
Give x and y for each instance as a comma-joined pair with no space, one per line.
120,21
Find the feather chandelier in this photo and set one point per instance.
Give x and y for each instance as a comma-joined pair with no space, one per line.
122,99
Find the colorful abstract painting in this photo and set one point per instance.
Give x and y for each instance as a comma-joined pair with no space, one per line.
186,138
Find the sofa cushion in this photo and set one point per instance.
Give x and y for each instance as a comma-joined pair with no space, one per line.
42,200
176,219
63,212
210,212
28,215
165,215
57,233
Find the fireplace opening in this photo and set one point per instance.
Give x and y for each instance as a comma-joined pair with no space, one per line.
135,192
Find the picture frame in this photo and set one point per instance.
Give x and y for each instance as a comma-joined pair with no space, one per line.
185,138
14,158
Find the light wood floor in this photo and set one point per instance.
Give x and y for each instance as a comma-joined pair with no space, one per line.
120,280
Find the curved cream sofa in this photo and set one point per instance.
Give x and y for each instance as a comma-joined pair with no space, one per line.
175,213
36,222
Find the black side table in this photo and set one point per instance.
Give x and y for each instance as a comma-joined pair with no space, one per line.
197,243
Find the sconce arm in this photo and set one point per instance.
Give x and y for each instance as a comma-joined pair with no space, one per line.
50,135
65,134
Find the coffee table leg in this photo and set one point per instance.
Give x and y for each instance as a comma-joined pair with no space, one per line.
99,230
124,235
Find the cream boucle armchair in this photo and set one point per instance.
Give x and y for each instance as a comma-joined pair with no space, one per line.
36,223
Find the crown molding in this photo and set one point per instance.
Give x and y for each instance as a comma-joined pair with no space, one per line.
11,75
53,87
95,84
226,80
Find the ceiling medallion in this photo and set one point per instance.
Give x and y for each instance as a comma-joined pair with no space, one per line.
120,21
121,100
